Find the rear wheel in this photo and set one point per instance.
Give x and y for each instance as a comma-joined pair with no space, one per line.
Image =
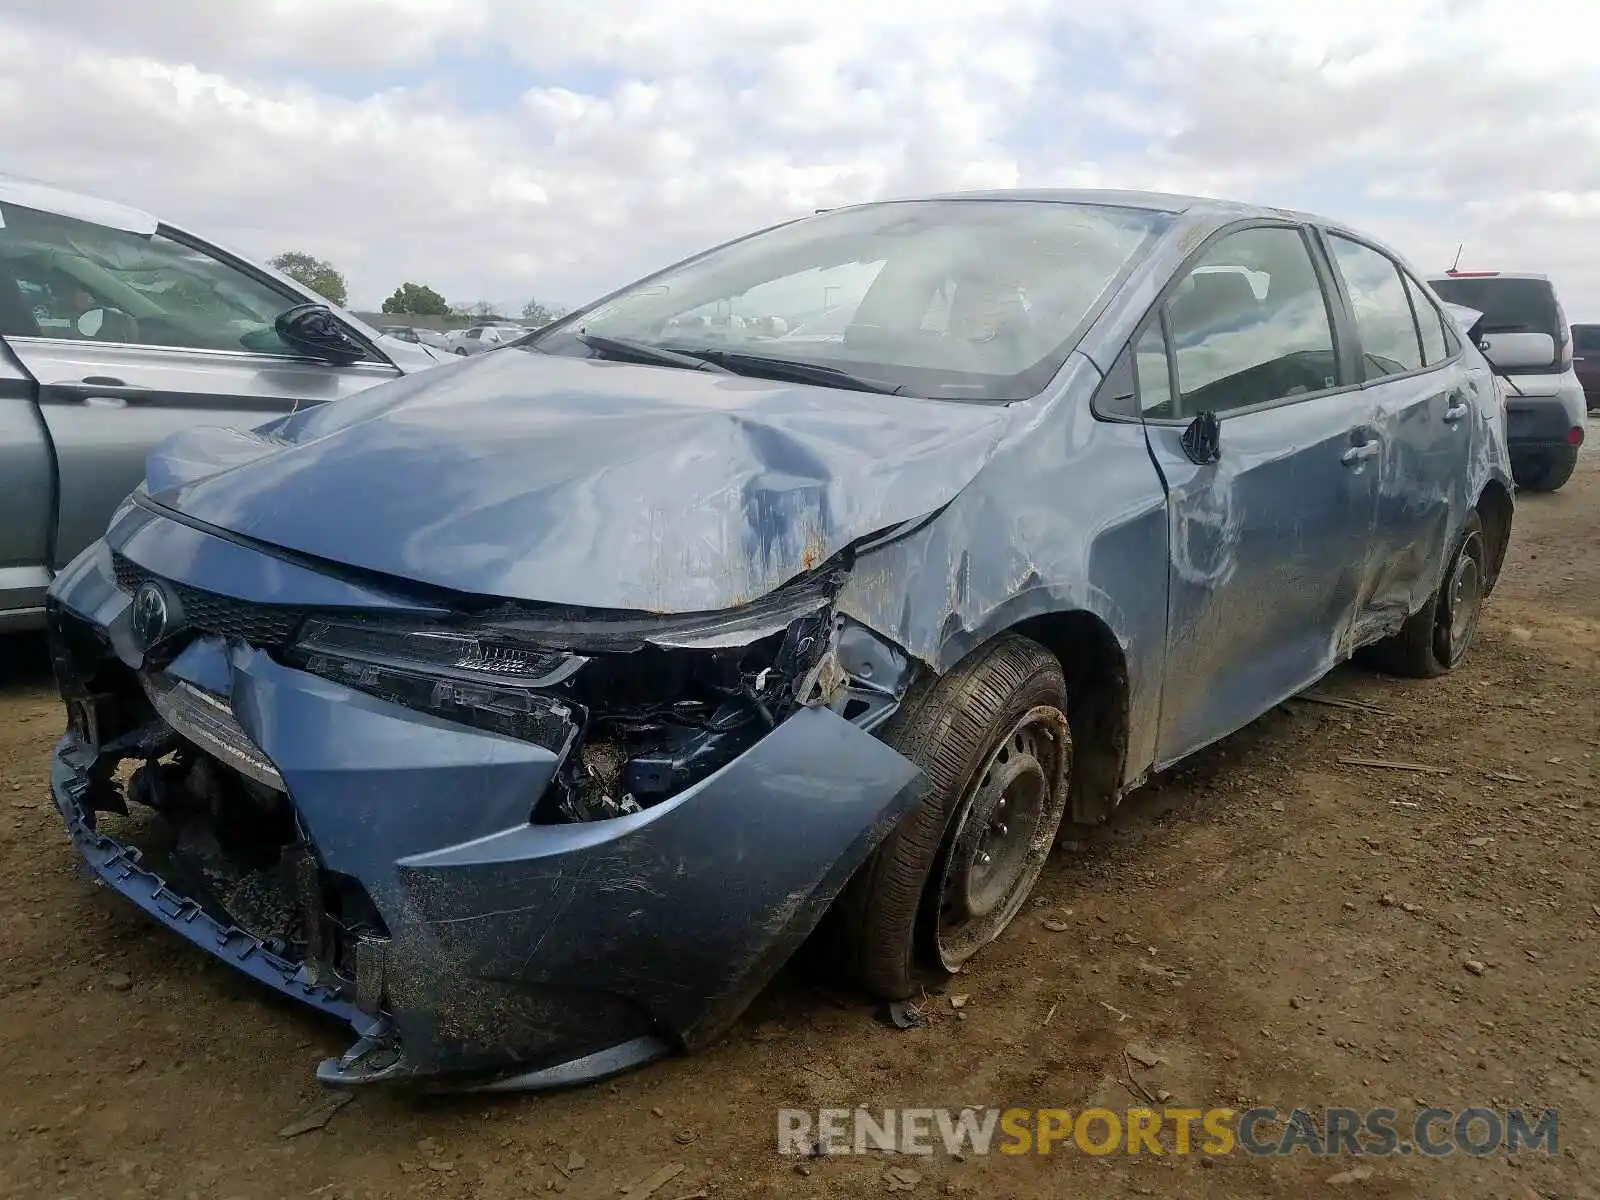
1437,637
1545,471
992,740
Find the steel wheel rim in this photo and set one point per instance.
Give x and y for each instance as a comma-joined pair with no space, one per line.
1006,824
1463,600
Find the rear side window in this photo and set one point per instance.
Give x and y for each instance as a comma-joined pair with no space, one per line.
1587,338
1430,324
1389,342
1249,325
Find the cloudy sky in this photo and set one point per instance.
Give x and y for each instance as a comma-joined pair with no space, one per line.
496,149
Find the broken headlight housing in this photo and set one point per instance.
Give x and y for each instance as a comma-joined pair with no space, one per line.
477,677
638,706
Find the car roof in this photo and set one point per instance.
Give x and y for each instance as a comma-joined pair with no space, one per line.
32,193
1169,202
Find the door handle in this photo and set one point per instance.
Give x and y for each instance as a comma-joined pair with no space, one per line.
1458,408
103,389
1357,455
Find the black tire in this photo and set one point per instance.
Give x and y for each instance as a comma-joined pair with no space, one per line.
1545,471
958,728
1427,645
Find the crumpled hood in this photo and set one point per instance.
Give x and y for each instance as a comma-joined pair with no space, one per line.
585,483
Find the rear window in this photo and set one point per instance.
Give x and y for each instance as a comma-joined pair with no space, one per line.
1587,338
1508,305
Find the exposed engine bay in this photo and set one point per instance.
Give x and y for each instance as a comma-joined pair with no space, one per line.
658,720
234,846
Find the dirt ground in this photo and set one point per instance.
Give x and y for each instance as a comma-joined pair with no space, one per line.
1283,928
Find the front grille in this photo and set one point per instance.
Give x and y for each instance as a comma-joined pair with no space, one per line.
263,625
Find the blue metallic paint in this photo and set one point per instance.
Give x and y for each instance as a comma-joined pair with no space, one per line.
514,940
706,490
1223,587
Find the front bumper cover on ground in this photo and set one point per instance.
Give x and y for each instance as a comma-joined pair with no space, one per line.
518,954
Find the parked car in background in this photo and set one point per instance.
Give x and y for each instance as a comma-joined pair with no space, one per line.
481,338
552,701
1525,333
418,334
117,330
1586,361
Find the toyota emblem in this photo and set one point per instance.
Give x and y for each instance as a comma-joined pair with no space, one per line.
150,616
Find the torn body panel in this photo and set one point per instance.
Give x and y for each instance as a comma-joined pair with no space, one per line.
1037,541
462,936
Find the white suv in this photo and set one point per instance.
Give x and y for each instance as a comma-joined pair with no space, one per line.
481,338
1524,333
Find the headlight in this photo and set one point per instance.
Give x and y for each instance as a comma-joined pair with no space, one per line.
512,672
638,706
478,678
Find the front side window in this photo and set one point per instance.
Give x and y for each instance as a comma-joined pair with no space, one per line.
1250,325
949,299
1389,340
85,281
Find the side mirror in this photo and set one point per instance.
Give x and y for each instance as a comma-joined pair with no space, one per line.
1202,440
313,330
90,323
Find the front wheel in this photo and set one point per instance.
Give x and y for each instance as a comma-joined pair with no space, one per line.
992,740
1547,471
1435,640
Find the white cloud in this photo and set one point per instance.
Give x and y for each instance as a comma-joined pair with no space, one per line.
646,131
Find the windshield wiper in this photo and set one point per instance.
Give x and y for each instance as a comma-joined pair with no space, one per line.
759,366
644,352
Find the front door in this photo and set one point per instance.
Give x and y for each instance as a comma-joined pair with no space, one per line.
1266,543
131,337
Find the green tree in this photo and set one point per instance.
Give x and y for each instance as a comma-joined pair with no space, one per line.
538,314
416,299
312,272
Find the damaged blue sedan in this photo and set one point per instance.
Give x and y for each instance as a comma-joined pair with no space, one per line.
529,713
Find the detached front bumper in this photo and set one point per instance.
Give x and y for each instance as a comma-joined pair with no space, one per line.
511,954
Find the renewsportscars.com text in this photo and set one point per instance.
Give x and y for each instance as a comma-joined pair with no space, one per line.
1431,1132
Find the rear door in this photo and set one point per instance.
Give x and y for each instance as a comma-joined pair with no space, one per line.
1414,375
132,335
1268,542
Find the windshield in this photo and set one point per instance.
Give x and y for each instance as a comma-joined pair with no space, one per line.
947,299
